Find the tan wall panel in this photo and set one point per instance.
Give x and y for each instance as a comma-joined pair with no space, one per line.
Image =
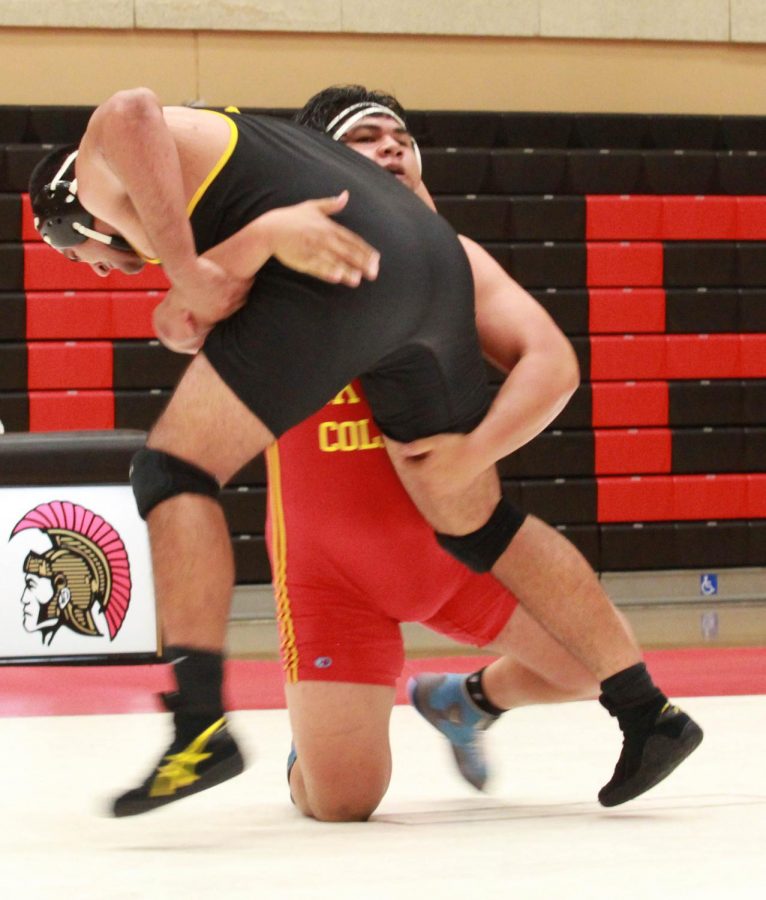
71,66
689,20
487,73
85,67
67,13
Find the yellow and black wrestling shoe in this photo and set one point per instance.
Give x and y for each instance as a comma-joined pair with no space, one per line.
186,768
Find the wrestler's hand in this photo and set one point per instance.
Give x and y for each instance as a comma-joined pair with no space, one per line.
304,238
206,290
446,464
177,328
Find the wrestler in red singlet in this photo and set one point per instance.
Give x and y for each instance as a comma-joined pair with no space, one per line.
352,557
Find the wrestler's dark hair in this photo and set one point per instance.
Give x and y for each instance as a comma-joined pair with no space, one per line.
45,171
323,107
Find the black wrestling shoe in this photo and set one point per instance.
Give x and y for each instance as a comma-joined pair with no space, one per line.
185,769
650,754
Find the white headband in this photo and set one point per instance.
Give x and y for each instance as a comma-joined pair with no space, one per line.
361,111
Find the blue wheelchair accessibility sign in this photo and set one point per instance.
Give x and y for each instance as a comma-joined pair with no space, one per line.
708,585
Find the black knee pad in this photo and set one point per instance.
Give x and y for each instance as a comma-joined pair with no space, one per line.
156,476
482,548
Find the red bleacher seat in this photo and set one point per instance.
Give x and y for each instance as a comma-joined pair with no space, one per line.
751,218
629,403
91,314
632,451
623,357
625,310
70,410
709,496
702,356
624,264
69,364
635,499
623,217
699,219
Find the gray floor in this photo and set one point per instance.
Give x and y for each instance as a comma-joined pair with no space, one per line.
537,834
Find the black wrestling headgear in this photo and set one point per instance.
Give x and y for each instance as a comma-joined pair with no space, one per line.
60,218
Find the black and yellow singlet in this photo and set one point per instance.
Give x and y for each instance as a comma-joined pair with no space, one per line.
410,334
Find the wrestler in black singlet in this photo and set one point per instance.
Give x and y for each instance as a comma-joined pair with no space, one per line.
297,342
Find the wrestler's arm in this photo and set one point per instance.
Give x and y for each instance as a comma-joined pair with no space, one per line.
520,338
129,173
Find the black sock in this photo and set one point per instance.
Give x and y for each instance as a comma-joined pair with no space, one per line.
475,690
631,695
199,701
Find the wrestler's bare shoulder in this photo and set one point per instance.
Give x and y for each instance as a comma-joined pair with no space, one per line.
201,136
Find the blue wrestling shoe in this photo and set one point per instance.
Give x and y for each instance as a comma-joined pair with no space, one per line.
291,757
443,701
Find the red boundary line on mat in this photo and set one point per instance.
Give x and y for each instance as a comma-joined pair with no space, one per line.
93,690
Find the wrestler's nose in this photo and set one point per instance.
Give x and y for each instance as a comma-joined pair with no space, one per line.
389,146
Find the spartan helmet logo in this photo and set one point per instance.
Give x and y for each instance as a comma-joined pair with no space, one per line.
86,569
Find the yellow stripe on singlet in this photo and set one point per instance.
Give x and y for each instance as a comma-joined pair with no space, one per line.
213,173
279,573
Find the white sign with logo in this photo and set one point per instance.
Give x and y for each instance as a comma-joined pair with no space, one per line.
75,573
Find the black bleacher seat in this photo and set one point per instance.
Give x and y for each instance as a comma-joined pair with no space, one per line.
139,409
755,401
563,501
752,310
680,132
702,310
612,130
527,171
20,160
542,264
480,218
680,172
251,560
751,264
755,449
703,544
456,171
568,308
14,411
708,449
706,402
756,542
147,364
13,320
493,218
582,349
57,124
13,124
669,545
10,217
743,132
252,473
578,413
625,547
741,173
552,454
542,130
545,219
603,171
245,508
587,540
700,264
11,267
460,129
13,367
